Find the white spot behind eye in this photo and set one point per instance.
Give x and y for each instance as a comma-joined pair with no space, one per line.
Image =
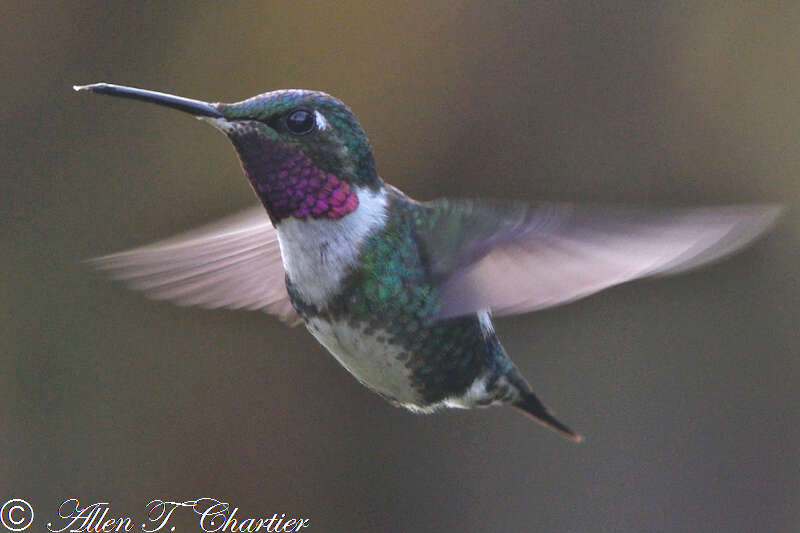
322,123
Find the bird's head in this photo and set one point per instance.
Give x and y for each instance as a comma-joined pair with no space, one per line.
304,153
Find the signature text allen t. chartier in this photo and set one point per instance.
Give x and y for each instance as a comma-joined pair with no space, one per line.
215,517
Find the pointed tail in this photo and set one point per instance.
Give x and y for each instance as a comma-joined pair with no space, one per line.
531,407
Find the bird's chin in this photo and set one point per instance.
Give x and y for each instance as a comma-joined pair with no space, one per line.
228,127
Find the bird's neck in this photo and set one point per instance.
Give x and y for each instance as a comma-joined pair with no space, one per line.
318,253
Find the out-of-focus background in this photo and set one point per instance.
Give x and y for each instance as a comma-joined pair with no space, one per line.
686,388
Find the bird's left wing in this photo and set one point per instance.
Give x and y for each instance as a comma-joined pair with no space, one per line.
514,258
234,263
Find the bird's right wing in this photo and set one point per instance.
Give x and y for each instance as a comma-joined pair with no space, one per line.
515,258
234,263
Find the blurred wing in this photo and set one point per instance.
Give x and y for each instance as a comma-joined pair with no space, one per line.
514,258
234,263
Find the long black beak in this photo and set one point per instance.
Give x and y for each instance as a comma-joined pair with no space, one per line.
195,107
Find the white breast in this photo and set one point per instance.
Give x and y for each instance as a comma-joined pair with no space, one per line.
318,253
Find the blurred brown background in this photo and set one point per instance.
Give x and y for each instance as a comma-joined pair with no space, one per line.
686,388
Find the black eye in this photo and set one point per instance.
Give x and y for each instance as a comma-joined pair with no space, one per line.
300,121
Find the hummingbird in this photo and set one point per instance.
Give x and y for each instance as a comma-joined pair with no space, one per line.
402,292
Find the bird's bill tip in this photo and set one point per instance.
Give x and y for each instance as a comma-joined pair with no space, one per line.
89,87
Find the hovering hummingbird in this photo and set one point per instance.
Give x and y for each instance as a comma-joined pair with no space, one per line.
401,292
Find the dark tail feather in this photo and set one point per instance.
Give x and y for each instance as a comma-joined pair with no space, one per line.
531,407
